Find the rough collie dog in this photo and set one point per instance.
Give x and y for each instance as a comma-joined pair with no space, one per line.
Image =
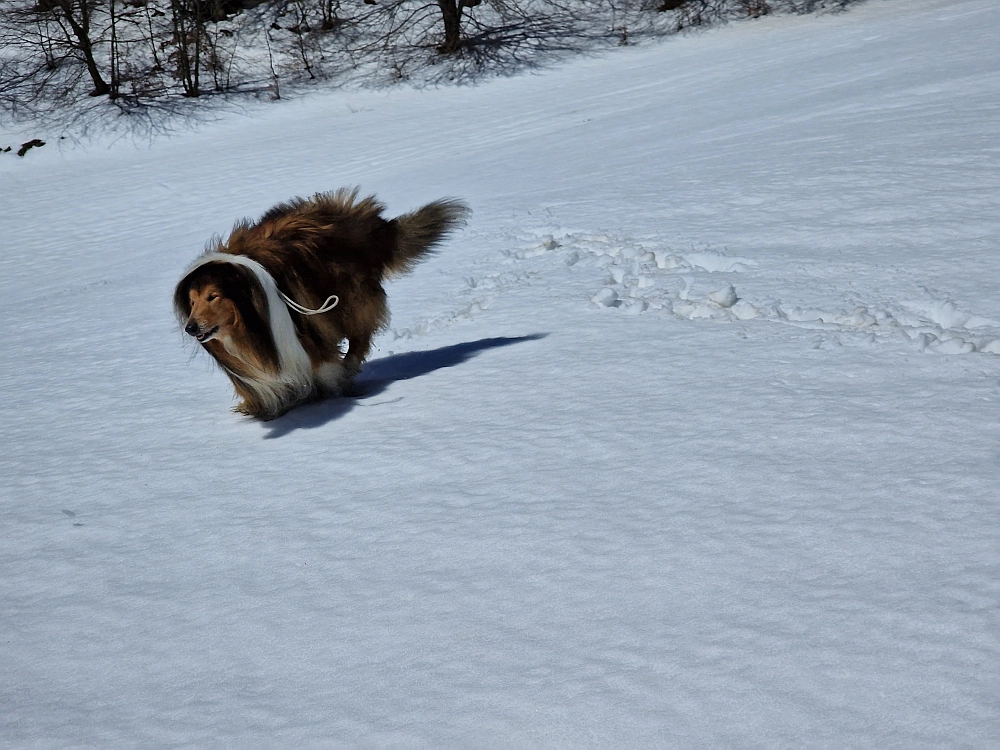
275,301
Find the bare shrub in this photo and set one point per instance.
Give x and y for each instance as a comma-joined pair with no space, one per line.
139,54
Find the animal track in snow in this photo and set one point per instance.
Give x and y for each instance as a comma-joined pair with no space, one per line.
643,275
437,322
482,290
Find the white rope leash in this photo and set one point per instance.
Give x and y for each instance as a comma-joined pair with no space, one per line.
325,307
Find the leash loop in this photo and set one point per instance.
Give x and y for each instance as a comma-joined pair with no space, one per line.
325,307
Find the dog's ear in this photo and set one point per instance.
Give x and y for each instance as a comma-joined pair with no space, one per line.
251,303
257,295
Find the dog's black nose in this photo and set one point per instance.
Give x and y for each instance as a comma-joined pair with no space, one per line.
191,328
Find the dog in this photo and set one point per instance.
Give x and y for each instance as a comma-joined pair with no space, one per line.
275,301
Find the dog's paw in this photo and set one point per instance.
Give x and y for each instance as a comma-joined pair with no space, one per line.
329,379
355,390
249,410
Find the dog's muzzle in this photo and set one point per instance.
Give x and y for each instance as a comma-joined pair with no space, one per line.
194,329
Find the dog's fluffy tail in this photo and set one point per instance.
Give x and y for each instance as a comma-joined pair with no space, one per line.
418,232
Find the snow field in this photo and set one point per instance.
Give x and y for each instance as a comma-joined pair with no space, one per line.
583,497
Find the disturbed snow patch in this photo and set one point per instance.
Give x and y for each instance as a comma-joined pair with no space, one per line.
645,275
478,293
636,275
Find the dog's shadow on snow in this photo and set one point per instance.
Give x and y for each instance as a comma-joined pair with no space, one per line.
378,375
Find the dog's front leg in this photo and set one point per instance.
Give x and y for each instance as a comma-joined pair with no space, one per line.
357,352
250,402
329,377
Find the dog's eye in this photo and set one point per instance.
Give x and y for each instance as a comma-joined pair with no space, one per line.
212,297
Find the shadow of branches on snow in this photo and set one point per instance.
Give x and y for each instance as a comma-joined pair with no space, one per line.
379,374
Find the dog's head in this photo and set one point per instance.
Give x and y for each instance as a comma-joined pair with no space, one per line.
219,300
207,300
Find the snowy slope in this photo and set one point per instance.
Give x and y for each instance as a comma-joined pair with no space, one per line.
689,439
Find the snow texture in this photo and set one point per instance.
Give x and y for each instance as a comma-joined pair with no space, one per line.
690,439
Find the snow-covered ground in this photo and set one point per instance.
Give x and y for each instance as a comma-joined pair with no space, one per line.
690,439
